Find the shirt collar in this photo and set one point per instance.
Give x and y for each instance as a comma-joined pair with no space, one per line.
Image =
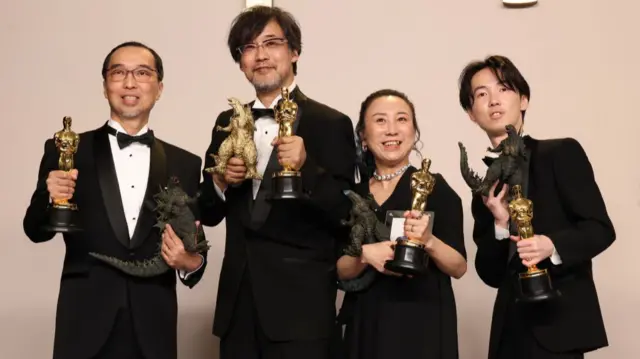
118,127
258,104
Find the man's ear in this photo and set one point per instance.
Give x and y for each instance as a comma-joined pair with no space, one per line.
160,88
471,117
104,89
524,103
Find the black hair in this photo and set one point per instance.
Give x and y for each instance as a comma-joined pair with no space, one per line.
366,163
251,22
156,58
506,72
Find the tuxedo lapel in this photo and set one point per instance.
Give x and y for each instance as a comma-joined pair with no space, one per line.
109,186
157,180
261,206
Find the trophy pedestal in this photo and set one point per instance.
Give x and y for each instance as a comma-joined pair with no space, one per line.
63,219
409,258
535,286
286,185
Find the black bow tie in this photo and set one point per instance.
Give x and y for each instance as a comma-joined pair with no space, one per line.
262,112
488,160
125,140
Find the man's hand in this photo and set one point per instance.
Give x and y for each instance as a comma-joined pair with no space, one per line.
234,173
534,250
61,184
498,205
291,151
175,255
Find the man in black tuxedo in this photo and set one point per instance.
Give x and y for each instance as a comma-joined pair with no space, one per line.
102,312
570,222
277,291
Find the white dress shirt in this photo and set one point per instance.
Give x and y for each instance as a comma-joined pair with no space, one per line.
266,131
132,169
503,233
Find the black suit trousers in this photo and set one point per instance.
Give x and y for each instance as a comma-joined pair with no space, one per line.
122,342
246,338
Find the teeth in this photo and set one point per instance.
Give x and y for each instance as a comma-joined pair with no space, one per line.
130,97
391,143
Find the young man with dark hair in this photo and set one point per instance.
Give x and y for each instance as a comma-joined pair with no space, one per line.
570,221
276,297
102,312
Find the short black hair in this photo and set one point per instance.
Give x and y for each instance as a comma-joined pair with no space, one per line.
506,72
365,160
156,58
251,22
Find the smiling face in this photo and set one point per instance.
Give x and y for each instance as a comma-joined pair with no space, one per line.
389,131
267,62
494,104
131,85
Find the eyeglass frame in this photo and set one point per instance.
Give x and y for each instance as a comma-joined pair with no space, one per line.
132,72
278,42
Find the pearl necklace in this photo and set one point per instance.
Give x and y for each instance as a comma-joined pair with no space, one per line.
390,175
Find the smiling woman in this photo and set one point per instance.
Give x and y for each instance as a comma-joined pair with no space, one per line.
387,132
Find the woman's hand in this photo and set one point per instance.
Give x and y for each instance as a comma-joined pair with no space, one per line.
416,226
377,254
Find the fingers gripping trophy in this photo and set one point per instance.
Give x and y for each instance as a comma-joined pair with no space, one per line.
535,283
63,217
410,256
286,183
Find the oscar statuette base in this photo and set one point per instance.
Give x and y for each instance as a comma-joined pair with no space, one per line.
63,218
535,286
409,258
286,185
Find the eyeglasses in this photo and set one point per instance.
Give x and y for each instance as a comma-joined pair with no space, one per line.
141,74
269,45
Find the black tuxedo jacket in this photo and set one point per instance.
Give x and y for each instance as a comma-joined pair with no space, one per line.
91,293
288,248
569,209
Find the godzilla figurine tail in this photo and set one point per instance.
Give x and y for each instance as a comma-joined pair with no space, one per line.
472,179
146,268
173,209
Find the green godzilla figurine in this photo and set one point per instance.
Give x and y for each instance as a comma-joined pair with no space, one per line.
506,168
365,229
173,209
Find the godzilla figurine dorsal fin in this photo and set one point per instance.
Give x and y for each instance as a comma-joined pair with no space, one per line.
471,178
172,207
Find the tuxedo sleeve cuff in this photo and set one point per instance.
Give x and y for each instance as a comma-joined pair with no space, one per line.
555,257
219,192
502,233
184,276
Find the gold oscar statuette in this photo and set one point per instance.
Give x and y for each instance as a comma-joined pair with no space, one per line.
410,256
63,217
535,283
286,183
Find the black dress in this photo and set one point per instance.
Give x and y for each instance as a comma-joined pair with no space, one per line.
408,318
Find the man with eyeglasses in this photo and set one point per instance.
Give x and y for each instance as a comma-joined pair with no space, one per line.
277,291
103,313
